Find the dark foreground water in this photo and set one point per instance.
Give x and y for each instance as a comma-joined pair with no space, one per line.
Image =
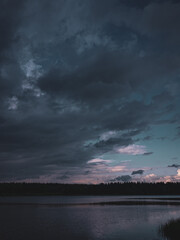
68,218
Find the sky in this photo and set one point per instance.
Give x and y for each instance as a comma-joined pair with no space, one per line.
89,91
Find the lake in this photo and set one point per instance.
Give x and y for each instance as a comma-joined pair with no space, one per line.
85,217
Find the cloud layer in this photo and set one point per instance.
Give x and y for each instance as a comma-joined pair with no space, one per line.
79,80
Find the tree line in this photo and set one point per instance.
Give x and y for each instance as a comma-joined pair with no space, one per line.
129,188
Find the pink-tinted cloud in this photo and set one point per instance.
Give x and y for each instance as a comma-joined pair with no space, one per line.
117,168
156,178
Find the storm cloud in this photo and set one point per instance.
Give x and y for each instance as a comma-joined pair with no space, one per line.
174,165
73,72
137,172
123,178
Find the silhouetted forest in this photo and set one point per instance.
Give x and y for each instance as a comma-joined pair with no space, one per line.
12,189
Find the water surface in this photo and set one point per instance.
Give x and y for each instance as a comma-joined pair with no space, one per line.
45,218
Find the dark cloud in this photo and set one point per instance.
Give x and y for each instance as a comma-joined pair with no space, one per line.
87,172
123,178
178,132
137,172
112,142
63,177
94,67
147,138
174,165
148,153
10,19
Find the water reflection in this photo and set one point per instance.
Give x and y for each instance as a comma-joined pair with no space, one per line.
171,229
87,222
